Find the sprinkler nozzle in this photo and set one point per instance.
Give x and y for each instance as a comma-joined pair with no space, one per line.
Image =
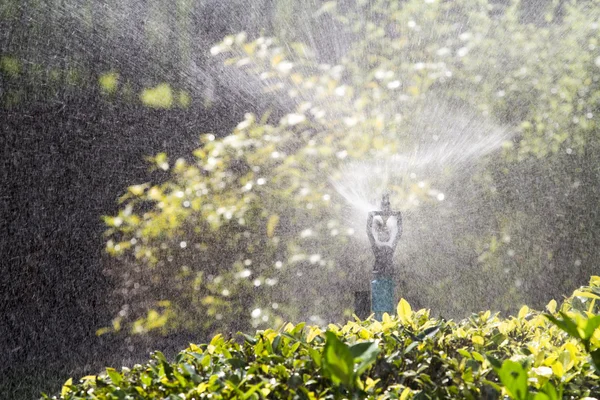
385,202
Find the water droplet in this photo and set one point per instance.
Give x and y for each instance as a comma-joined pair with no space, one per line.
519,283
306,233
294,119
245,273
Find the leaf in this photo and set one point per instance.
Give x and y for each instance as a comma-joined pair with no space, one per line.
595,355
327,7
410,347
160,96
465,353
404,311
115,377
313,333
590,327
366,354
558,369
514,377
581,293
523,312
550,391
566,324
276,343
338,362
405,394
250,339
66,388
496,364
272,225
476,339
477,356
551,306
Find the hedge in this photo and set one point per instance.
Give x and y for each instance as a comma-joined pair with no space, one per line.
535,355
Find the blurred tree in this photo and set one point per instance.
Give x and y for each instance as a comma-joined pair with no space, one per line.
251,228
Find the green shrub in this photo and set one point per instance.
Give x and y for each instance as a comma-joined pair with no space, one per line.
406,356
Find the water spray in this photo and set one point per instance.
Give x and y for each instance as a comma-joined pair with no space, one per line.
384,229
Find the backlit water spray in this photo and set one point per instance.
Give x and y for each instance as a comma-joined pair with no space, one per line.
436,186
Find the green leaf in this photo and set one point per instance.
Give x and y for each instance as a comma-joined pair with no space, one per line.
365,354
114,376
590,327
550,392
429,332
595,355
276,343
566,324
338,361
250,339
514,377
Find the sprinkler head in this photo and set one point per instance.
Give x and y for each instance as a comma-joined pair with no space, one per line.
384,228
385,202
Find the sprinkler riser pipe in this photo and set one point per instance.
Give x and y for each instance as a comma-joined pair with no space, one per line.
382,296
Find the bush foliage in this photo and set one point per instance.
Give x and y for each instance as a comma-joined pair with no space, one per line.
406,356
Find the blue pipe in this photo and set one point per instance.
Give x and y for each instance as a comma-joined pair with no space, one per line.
382,296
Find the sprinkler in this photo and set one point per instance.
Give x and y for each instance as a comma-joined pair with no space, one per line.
384,229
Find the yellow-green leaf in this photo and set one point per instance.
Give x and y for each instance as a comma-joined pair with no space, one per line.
405,394
551,306
404,311
313,333
160,96
523,312
66,387
272,224
477,340
558,369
